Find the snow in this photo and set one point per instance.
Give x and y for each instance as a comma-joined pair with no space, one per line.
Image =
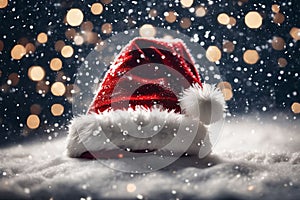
252,159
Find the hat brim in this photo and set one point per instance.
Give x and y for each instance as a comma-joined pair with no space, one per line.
146,129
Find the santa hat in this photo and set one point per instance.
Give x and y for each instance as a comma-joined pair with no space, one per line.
152,81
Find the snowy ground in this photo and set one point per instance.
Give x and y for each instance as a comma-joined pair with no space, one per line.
251,160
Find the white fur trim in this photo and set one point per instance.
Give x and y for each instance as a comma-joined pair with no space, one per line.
205,103
89,132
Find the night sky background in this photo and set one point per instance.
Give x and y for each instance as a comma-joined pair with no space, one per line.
264,88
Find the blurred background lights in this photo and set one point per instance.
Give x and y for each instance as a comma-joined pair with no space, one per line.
171,16
282,62
57,109
200,11
3,3
253,19
33,121
226,89
185,23
251,57
96,8
278,43
275,8
223,19
296,108
295,33
147,30
56,64
1,45
213,53
74,17
36,73
58,89
67,51
186,3
131,187
42,38
18,51
106,28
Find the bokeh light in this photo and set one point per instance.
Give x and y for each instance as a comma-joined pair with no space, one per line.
74,17
57,109
296,108
282,62
295,33
171,16
106,28
253,20
35,109
58,89
36,73
185,23
278,18
278,43
147,30
251,57
42,38
275,8
3,3
200,11
56,64
33,121
1,45
223,19
213,53
186,3
18,51
228,46
13,79
67,51
131,187
96,8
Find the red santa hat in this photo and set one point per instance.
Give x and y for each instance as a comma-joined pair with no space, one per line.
152,81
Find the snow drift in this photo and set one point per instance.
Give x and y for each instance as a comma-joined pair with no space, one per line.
251,160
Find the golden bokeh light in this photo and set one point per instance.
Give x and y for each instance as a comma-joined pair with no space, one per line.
282,62
14,79
228,46
251,57
153,13
130,187
42,38
106,28
278,18
74,17
223,19
106,1
36,73
227,93
213,53
58,89
275,8
3,3
97,8
200,11
33,121
253,19
78,40
232,21
278,43
35,109
295,33
30,48
87,26
147,30
56,64
59,45
171,16
57,109
186,3
1,45
67,51
296,107
185,23
18,51
224,84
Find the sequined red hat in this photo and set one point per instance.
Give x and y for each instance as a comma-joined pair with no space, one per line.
150,80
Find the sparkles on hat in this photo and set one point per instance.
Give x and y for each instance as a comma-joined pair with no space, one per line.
152,81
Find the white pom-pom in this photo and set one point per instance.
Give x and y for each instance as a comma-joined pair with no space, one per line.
206,103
